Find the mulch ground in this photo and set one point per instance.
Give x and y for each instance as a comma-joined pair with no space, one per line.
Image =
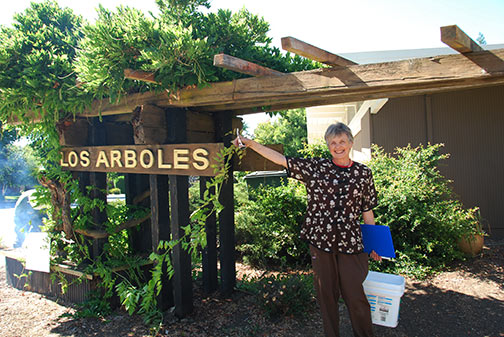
467,300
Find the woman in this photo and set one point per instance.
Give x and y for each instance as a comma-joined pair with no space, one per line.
339,191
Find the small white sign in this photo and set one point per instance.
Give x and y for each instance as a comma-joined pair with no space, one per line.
37,253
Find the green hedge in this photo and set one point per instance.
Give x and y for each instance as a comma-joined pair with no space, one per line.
268,225
418,205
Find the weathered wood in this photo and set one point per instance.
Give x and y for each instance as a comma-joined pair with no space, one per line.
140,238
243,67
252,161
160,231
73,132
149,125
226,216
181,159
98,181
102,234
209,256
179,200
141,197
454,37
140,75
314,53
333,85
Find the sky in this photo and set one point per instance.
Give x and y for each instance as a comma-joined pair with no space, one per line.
340,26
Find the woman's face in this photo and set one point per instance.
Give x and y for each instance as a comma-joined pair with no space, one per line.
340,146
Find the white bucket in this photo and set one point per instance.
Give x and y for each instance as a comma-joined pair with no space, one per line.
384,292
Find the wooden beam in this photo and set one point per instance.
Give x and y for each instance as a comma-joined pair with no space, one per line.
227,252
454,37
314,53
140,75
241,66
102,234
331,86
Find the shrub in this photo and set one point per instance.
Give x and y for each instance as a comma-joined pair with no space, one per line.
315,150
267,227
283,295
418,205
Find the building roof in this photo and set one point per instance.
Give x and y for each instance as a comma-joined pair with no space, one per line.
405,54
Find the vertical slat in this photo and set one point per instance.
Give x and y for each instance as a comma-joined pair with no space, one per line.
226,217
210,280
98,180
160,229
179,199
140,238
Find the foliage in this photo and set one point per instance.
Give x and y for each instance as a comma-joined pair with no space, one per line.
289,130
18,168
315,150
36,63
423,214
178,46
267,226
93,307
282,295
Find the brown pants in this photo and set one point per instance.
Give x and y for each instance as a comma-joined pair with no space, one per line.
338,274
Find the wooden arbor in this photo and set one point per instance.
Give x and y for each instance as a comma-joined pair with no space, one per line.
196,116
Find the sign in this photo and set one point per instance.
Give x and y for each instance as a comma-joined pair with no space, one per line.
37,251
173,159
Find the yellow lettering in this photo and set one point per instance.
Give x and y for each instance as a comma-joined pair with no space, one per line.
73,159
115,158
148,153
179,158
62,161
84,158
102,159
161,165
130,159
200,160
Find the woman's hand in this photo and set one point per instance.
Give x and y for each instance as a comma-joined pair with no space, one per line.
375,256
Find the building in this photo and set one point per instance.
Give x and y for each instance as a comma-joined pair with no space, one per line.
469,122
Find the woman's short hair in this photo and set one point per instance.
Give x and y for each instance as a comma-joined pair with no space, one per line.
336,130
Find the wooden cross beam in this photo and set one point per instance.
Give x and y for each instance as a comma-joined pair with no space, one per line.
241,66
454,37
313,53
140,75
328,86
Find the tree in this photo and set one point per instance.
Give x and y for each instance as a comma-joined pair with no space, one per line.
289,130
19,168
481,39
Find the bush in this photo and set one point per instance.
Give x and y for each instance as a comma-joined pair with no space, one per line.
267,227
418,205
283,295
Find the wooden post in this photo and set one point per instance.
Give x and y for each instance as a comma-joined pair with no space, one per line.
136,186
99,181
179,199
160,229
226,217
210,279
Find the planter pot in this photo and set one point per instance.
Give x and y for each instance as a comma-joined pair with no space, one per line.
471,244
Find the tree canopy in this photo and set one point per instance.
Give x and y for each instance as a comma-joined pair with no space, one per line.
289,130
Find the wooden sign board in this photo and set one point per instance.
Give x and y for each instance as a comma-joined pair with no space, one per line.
173,159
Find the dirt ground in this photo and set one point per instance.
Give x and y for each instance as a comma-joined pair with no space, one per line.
467,300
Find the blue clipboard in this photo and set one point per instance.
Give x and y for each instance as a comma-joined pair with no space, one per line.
379,239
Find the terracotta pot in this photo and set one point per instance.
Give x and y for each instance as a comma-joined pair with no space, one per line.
471,244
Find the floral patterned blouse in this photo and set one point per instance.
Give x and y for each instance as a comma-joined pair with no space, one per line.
337,196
